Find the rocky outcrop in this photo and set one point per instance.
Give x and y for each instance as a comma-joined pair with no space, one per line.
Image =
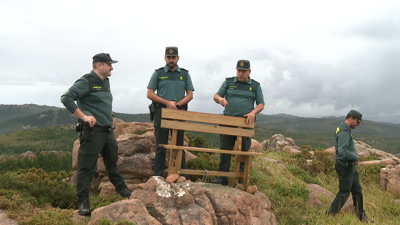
390,179
278,141
316,192
189,203
131,210
255,146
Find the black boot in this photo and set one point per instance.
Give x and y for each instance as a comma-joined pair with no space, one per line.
364,218
84,209
126,193
220,180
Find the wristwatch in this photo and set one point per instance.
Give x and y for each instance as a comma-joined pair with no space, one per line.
177,105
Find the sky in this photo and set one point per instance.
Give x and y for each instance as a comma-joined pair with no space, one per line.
312,58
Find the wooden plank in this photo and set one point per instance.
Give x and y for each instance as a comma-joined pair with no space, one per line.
205,118
211,150
172,166
211,173
215,129
247,172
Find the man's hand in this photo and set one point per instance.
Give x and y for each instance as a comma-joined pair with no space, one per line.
91,120
251,117
356,162
171,105
223,102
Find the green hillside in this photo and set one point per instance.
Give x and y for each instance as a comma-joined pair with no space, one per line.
55,138
8,112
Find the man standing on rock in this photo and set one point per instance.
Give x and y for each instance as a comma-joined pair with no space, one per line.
346,160
237,95
94,110
174,91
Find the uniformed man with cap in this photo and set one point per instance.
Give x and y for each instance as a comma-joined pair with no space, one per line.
174,91
237,95
94,109
346,160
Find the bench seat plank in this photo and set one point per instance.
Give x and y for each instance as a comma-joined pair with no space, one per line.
206,128
211,150
211,173
205,118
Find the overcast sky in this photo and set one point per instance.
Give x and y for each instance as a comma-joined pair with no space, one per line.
312,58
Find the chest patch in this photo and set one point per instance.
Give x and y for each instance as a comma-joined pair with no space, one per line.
163,78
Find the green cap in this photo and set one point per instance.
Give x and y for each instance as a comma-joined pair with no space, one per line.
171,51
103,57
243,64
356,114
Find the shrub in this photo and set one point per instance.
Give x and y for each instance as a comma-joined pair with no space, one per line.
304,154
203,162
43,187
108,222
303,175
370,173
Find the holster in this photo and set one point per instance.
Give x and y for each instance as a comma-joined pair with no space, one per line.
84,129
152,109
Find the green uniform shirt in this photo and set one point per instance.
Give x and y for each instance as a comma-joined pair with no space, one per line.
344,143
240,96
94,99
171,85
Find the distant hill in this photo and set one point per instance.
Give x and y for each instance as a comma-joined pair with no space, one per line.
8,112
56,116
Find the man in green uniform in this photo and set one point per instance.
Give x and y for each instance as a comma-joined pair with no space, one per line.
174,91
346,160
237,95
93,96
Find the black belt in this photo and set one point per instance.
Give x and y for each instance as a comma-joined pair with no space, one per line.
96,128
159,105
344,161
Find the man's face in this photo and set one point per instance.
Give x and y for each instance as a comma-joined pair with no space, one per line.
355,123
171,61
243,75
105,69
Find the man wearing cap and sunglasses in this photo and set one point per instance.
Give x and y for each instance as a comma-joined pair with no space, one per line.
94,110
174,91
346,160
237,95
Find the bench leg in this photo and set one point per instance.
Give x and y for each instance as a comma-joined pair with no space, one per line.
247,171
171,163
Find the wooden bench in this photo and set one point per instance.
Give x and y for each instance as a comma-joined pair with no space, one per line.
208,123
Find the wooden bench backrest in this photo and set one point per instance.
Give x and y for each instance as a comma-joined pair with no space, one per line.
206,123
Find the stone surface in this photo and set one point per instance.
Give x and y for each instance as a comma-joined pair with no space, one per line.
4,220
316,192
390,179
172,178
255,146
131,210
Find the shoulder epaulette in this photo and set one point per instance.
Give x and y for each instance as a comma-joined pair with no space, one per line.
87,75
255,81
184,69
160,68
229,78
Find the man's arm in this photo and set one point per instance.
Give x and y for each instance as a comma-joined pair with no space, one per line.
186,99
152,96
74,93
220,100
251,116
343,147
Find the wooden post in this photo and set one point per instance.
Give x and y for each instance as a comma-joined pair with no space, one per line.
172,168
236,167
247,171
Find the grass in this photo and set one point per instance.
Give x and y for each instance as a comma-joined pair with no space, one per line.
285,184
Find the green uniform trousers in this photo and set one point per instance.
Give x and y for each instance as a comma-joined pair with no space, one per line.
103,143
227,142
348,182
162,138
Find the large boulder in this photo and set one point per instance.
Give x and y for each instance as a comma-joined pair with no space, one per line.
255,146
390,179
316,192
190,203
131,210
278,141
